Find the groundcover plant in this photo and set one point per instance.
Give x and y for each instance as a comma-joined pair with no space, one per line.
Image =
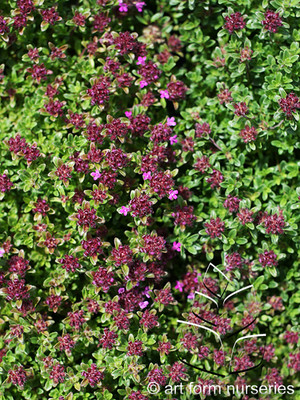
149,166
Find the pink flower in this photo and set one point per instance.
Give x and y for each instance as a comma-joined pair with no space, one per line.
143,304
191,295
96,175
141,60
179,285
147,175
121,290
140,5
128,114
171,121
173,194
124,210
176,246
143,84
123,7
164,94
173,139
2,252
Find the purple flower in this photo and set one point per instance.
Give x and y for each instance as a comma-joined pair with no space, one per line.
123,7
128,114
146,292
171,121
173,139
124,210
2,252
164,94
143,304
176,246
141,61
173,194
147,175
140,5
96,175
179,285
143,84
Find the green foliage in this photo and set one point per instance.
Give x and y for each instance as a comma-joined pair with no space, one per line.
248,157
